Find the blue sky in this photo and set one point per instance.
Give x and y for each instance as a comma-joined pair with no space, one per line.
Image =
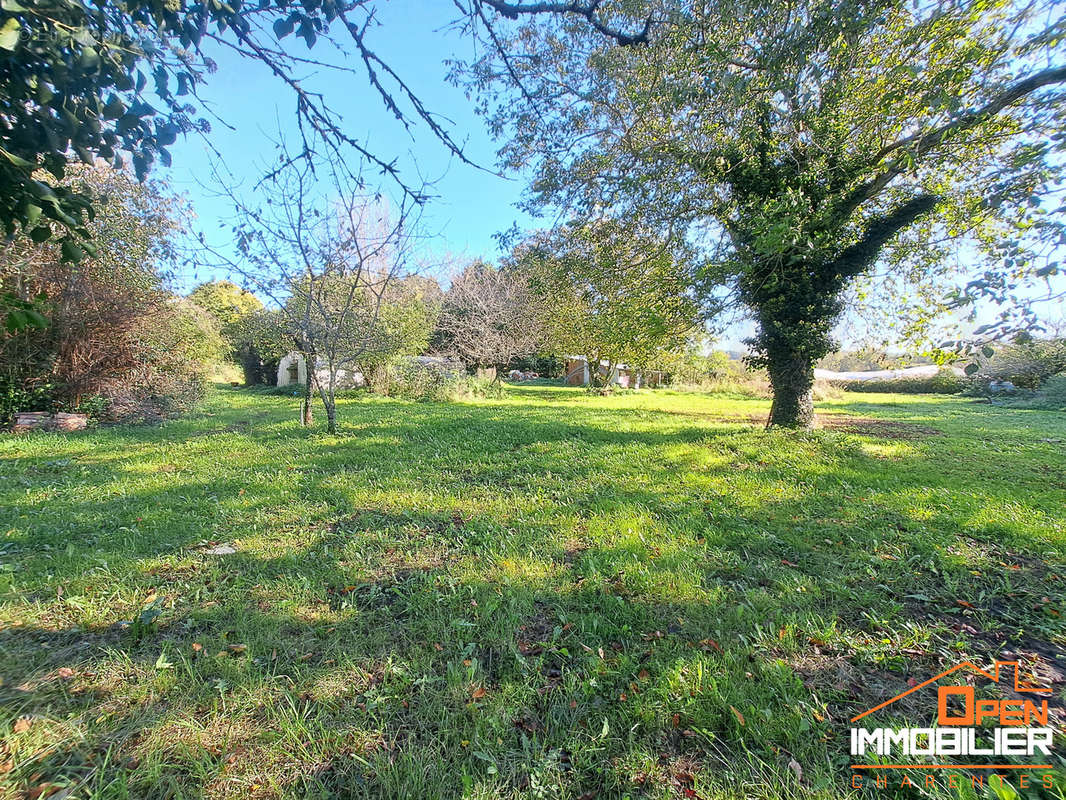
415,39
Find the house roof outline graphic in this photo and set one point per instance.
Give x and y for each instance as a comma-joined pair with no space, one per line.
992,675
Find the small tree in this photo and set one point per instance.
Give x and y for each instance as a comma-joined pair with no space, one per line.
327,260
489,317
406,320
260,340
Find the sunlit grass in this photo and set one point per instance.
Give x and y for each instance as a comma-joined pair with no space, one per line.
545,595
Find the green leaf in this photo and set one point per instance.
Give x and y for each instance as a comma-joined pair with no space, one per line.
31,214
41,234
971,369
282,27
115,108
10,34
71,252
90,59
15,320
16,160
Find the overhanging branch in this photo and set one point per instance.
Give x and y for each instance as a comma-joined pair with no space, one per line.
858,257
923,142
587,10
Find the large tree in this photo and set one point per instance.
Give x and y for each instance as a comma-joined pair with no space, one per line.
804,143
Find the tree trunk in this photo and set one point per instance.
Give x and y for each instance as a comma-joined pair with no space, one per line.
331,413
329,400
307,416
792,381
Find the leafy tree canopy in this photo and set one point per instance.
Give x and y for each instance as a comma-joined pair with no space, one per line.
607,292
225,301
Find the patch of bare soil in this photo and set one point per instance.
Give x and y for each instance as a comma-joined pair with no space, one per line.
880,428
862,688
864,426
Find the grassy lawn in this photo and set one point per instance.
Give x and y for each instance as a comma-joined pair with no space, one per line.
552,595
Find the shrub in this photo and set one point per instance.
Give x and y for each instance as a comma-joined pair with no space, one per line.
944,382
1025,364
1052,395
718,374
116,341
431,380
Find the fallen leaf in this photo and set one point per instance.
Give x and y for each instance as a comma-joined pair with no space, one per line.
738,715
964,604
66,673
22,724
788,563
197,648
643,675
478,693
676,720
237,649
797,770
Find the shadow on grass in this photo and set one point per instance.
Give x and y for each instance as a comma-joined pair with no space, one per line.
721,602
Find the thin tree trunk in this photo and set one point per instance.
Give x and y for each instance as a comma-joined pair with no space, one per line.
593,368
792,381
331,413
329,400
307,416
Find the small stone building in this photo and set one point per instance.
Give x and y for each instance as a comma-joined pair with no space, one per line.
577,374
292,371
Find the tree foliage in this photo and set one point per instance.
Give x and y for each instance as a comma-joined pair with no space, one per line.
803,144
115,330
490,317
227,302
608,293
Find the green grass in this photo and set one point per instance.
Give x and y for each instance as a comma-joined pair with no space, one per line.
551,595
